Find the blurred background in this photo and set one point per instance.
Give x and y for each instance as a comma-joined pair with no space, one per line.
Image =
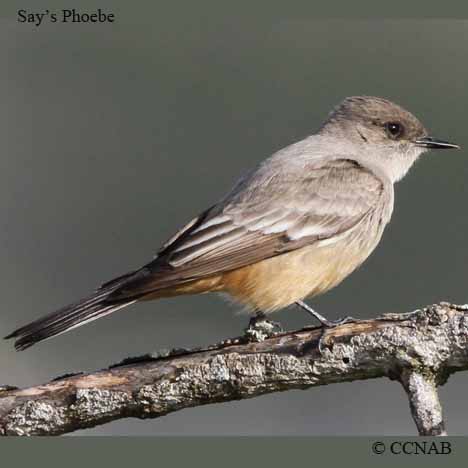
114,135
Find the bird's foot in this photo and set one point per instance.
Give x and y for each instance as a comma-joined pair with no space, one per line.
335,323
260,328
326,324
323,320
324,340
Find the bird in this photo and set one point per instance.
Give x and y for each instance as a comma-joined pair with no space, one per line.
293,227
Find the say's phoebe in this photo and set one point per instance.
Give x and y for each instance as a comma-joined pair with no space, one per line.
295,226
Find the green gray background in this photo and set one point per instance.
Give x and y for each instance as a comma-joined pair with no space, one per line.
112,136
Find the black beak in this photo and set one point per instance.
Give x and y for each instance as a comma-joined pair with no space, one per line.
434,143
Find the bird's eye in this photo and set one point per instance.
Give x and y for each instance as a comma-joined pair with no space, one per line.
394,129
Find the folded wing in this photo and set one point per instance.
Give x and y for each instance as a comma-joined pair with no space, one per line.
262,217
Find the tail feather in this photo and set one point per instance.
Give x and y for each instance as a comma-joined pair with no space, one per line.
74,315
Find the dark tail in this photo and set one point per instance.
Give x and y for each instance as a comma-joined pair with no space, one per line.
74,315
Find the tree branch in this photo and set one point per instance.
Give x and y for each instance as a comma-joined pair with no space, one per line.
421,388
420,349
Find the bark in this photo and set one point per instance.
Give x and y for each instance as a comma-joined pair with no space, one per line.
420,349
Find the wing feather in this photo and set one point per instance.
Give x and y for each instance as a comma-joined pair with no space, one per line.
262,217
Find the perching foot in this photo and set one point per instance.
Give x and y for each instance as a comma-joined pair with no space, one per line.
323,320
326,324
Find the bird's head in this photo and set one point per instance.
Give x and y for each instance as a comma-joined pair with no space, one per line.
381,133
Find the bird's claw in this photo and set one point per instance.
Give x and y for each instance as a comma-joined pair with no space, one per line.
326,325
334,323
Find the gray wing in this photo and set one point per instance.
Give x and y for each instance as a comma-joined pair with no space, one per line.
268,213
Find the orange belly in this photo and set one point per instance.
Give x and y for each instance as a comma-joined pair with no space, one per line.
280,281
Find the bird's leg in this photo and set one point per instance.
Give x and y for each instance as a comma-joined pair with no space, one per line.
260,328
324,321
326,324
